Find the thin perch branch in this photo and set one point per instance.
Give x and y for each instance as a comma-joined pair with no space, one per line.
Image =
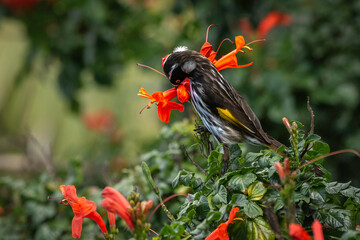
192,161
312,126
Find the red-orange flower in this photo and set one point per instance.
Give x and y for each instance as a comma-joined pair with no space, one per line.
297,232
227,61
272,20
220,233
101,121
116,203
164,104
19,4
82,208
183,90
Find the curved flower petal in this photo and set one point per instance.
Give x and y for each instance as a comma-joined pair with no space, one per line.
240,43
220,233
317,230
76,226
297,232
97,218
232,215
170,94
164,109
229,61
207,51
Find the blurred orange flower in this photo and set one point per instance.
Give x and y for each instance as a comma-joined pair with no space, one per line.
101,121
270,21
115,202
297,232
82,208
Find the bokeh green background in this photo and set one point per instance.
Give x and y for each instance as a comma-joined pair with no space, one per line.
63,59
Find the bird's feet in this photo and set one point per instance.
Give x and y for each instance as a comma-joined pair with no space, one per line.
201,129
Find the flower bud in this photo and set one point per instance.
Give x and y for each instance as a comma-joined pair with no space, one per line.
279,169
286,123
287,167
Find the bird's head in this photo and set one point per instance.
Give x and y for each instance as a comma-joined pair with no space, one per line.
179,65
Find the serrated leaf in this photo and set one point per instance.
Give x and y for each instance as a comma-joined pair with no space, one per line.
239,200
253,210
312,138
220,196
258,229
241,182
251,157
183,178
318,194
256,191
213,216
335,187
350,192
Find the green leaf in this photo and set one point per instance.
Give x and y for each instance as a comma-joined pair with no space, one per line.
312,138
220,196
253,210
213,216
239,199
335,187
256,191
215,156
251,157
350,235
350,192
241,182
183,178
258,229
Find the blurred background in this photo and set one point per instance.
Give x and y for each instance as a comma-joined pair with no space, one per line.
69,110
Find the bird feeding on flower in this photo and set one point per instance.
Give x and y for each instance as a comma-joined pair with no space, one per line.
225,114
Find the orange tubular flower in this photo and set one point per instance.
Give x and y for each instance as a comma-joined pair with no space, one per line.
82,208
221,232
227,61
280,170
164,104
272,20
115,202
297,232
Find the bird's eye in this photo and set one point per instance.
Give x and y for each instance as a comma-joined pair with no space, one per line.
177,81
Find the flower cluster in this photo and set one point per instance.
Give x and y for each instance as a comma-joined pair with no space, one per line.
133,212
163,99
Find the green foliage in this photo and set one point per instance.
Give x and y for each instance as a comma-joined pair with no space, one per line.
252,184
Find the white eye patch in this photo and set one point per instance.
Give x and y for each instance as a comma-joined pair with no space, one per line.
188,66
180,49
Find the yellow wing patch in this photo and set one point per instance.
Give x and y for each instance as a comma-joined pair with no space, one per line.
226,114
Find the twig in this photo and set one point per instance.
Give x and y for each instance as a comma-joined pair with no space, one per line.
192,161
164,201
330,154
312,126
